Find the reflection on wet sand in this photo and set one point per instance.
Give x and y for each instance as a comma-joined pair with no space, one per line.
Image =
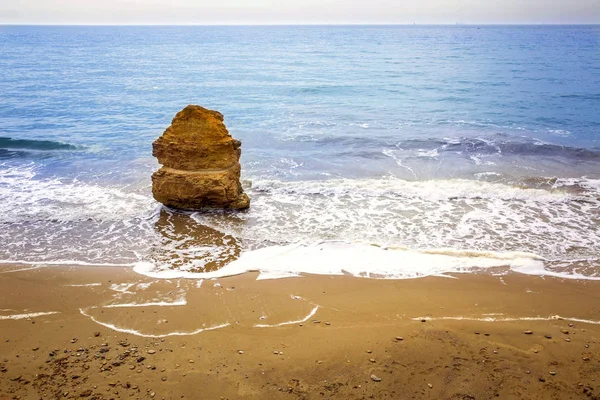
184,244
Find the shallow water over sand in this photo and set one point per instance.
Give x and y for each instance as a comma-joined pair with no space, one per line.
461,141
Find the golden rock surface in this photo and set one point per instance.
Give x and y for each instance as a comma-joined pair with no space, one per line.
201,168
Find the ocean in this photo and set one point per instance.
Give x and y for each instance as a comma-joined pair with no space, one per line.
376,151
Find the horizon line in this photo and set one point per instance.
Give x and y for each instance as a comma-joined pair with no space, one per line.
314,24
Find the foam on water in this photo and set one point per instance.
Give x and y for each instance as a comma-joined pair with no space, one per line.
122,287
61,223
144,286
176,303
86,284
360,260
488,318
27,315
56,262
36,266
310,314
418,228
431,190
67,222
25,197
149,335
460,214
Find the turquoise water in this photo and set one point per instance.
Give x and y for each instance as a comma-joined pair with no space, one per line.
459,138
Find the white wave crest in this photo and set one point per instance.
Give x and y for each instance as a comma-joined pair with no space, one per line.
360,260
24,196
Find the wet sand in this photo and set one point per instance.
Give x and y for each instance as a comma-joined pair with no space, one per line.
109,333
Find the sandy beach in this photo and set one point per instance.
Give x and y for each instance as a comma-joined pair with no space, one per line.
417,203
109,333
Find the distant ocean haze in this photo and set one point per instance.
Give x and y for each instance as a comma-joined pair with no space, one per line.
377,148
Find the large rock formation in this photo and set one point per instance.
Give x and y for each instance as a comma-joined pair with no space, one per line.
201,167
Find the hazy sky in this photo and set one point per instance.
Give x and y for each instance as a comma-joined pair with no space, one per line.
297,11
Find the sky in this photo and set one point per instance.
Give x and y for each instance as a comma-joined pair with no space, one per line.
217,12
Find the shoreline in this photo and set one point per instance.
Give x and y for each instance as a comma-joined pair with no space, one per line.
304,338
342,258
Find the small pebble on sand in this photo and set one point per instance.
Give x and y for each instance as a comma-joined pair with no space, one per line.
528,332
151,351
548,336
430,385
372,360
240,351
375,378
399,338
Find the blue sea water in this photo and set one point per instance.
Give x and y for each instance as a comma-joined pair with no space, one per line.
462,140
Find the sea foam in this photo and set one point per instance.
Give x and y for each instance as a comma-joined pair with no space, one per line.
359,260
377,227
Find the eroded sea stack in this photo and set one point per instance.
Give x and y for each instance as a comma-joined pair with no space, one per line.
201,167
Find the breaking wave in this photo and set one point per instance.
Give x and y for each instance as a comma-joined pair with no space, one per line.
39,145
397,224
